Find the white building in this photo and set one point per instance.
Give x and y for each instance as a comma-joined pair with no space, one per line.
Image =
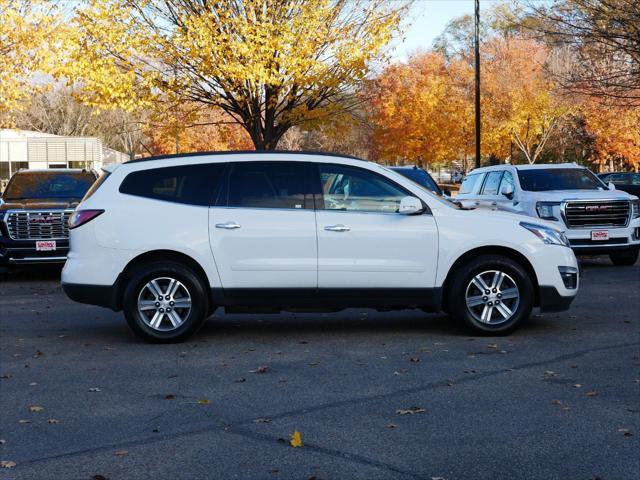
26,149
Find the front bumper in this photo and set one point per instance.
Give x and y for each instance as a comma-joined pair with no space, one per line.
23,252
620,239
550,300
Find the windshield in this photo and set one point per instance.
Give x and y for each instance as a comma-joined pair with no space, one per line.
420,177
558,179
27,185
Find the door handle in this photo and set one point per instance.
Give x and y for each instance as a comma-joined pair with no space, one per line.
228,225
337,228
493,204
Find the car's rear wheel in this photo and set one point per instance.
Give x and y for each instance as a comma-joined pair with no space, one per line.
165,302
491,294
627,257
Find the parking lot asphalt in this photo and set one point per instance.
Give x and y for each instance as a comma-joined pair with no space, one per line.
396,395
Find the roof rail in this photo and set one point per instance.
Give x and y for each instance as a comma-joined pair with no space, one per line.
243,152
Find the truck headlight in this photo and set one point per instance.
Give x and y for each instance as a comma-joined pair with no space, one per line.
550,236
635,208
545,210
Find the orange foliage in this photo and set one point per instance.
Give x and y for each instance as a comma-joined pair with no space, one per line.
197,131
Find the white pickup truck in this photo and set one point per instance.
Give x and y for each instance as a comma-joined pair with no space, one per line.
596,218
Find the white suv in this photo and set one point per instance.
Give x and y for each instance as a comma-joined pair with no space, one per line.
596,218
170,239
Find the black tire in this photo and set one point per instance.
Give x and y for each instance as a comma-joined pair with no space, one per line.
485,265
136,289
625,258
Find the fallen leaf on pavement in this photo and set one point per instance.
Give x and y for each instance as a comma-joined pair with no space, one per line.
169,396
53,421
262,369
35,408
99,477
94,389
121,453
262,420
24,421
492,345
577,385
410,411
240,380
625,431
204,401
591,393
556,402
2,441
296,440
392,425
414,359
7,464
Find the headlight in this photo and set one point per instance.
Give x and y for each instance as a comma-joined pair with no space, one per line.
550,236
545,210
635,208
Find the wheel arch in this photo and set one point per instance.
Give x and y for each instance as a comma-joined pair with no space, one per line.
491,250
159,255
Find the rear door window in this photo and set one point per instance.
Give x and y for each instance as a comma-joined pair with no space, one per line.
189,184
492,183
268,185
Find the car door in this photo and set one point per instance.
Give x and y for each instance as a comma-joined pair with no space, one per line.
262,230
470,190
490,193
362,241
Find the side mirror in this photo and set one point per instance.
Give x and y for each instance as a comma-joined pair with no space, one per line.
410,206
611,186
507,191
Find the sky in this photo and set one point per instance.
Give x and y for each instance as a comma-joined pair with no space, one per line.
428,19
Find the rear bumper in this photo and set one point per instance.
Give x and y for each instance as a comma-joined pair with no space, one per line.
551,301
100,295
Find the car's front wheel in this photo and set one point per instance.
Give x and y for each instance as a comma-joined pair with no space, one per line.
165,302
491,294
625,258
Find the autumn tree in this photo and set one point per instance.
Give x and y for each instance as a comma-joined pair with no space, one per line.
268,64
603,40
419,112
27,46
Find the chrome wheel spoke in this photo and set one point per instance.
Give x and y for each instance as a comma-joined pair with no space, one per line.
498,277
480,284
474,301
156,320
154,288
182,303
174,318
147,305
173,286
510,293
504,310
487,311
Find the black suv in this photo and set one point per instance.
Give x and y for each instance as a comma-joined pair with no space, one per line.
34,210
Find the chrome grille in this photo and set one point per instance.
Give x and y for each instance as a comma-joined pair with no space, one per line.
598,213
38,225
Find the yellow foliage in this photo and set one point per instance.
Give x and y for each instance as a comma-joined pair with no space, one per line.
28,45
296,440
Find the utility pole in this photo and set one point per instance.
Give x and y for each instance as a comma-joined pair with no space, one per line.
477,67
177,133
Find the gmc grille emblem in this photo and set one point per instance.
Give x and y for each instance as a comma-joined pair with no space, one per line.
41,219
597,208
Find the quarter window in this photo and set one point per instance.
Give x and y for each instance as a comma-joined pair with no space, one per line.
267,185
492,183
355,189
190,184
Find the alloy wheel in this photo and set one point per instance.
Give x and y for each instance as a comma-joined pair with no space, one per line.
492,297
164,304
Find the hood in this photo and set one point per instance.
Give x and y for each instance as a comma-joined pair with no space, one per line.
510,217
560,195
40,204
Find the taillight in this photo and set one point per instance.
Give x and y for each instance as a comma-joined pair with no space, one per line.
80,217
